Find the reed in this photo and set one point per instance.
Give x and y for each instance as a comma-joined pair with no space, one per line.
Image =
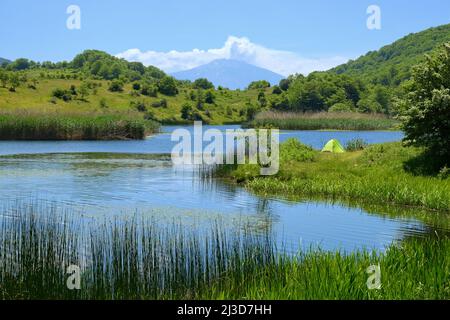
322,121
73,127
136,258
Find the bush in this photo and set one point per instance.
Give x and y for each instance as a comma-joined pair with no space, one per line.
160,104
203,83
294,150
209,97
136,86
58,93
168,86
149,90
341,107
277,90
186,111
116,86
261,84
356,145
139,106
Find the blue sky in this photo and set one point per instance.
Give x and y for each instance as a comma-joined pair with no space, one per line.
286,36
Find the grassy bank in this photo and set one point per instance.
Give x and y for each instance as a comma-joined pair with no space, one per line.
323,121
30,126
139,259
381,174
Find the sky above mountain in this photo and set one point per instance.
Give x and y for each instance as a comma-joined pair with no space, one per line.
285,37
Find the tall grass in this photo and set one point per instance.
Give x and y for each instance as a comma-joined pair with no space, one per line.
322,121
141,259
73,127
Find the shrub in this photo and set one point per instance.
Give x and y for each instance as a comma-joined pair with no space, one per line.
356,145
209,97
261,84
341,107
203,83
136,86
149,90
276,90
168,86
139,106
116,86
160,104
186,111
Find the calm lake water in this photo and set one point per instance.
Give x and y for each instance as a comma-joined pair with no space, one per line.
99,184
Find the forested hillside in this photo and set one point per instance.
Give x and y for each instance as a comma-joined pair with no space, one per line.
391,64
367,84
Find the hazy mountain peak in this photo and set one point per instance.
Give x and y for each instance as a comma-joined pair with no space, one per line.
229,73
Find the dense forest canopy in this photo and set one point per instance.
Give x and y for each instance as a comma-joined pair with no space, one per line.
391,65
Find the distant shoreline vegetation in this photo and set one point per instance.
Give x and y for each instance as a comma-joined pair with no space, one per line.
26,126
323,121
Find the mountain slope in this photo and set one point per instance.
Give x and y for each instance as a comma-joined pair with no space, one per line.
232,74
392,64
3,60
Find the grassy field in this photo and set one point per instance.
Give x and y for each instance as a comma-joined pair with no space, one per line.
228,107
380,174
323,121
139,259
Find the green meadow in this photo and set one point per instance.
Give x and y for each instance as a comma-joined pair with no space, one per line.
385,173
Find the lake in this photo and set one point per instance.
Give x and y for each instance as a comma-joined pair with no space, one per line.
83,176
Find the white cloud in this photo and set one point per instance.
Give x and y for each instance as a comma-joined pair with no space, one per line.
282,62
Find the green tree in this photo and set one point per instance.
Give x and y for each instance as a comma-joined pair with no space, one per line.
14,82
116,86
276,90
83,90
209,97
4,77
261,84
186,111
168,86
425,108
203,83
20,64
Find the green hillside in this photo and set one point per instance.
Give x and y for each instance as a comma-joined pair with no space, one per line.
95,82
392,64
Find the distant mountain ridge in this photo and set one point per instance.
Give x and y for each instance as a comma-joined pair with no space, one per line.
392,64
232,74
3,60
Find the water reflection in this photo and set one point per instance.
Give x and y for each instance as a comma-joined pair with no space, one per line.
105,184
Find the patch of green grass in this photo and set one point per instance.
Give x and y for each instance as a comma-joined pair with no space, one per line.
229,105
323,121
378,175
140,259
25,126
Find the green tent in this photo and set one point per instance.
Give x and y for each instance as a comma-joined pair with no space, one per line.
333,146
